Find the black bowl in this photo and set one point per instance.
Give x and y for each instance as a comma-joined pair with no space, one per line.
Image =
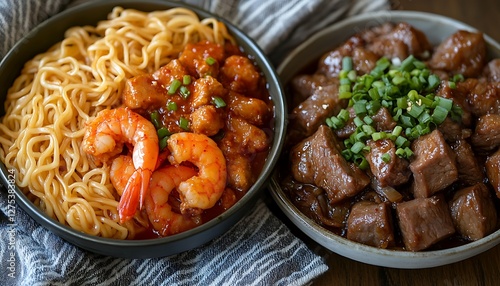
52,31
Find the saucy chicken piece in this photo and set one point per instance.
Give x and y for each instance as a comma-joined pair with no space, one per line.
486,136
463,52
143,92
253,110
434,165
492,171
205,89
392,172
239,74
371,224
202,58
473,212
206,120
492,70
424,221
317,160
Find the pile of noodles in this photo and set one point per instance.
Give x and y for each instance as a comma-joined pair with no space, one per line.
60,90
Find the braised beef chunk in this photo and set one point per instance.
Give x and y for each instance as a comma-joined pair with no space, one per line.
392,172
433,166
469,170
317,160
363,60
483,97
383,120
453,131
312,112
313,202
459,96
493,171
305,85
492,70
424,221
486,135
401,41
371,224
463,52
349,127
473,212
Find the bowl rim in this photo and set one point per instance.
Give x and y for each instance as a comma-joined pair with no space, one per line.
354,250
119,247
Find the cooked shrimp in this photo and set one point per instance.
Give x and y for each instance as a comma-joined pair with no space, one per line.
204,190
104,139
161,215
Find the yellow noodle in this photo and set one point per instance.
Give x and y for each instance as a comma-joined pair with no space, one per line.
58,91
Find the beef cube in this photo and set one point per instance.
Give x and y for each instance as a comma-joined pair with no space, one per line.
305,85
363,60
313,202
424,221
483,97
460,96
492,70
403,40
383,120
463,52
349,128
486,136
473,212
433,166
371,224
492,171
453,131
469,170
313,111
393,172
317,160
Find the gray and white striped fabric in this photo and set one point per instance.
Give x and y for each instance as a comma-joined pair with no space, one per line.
259,250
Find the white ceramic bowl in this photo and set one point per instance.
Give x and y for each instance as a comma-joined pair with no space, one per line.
437,28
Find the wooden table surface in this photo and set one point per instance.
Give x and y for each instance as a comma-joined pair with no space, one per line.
483,269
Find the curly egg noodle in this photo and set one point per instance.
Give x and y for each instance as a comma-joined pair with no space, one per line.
60,90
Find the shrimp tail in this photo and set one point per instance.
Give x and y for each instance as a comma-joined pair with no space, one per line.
134,194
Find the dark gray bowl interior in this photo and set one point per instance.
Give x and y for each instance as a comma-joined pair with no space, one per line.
52,31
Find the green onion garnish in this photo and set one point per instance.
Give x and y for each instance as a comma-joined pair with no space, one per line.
155,119
210,61
184,123
184,91
407,91
172,89
172,106
218,102
186,79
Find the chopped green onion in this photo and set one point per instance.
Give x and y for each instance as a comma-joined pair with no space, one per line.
210,61
378,135
184,123
439,114
386,157
347,63
452,84
357,147
184,91
343,115
163,142
186,79
174,85
155,119
162,132
218,102
172,106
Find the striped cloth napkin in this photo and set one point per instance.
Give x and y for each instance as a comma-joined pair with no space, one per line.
258,250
